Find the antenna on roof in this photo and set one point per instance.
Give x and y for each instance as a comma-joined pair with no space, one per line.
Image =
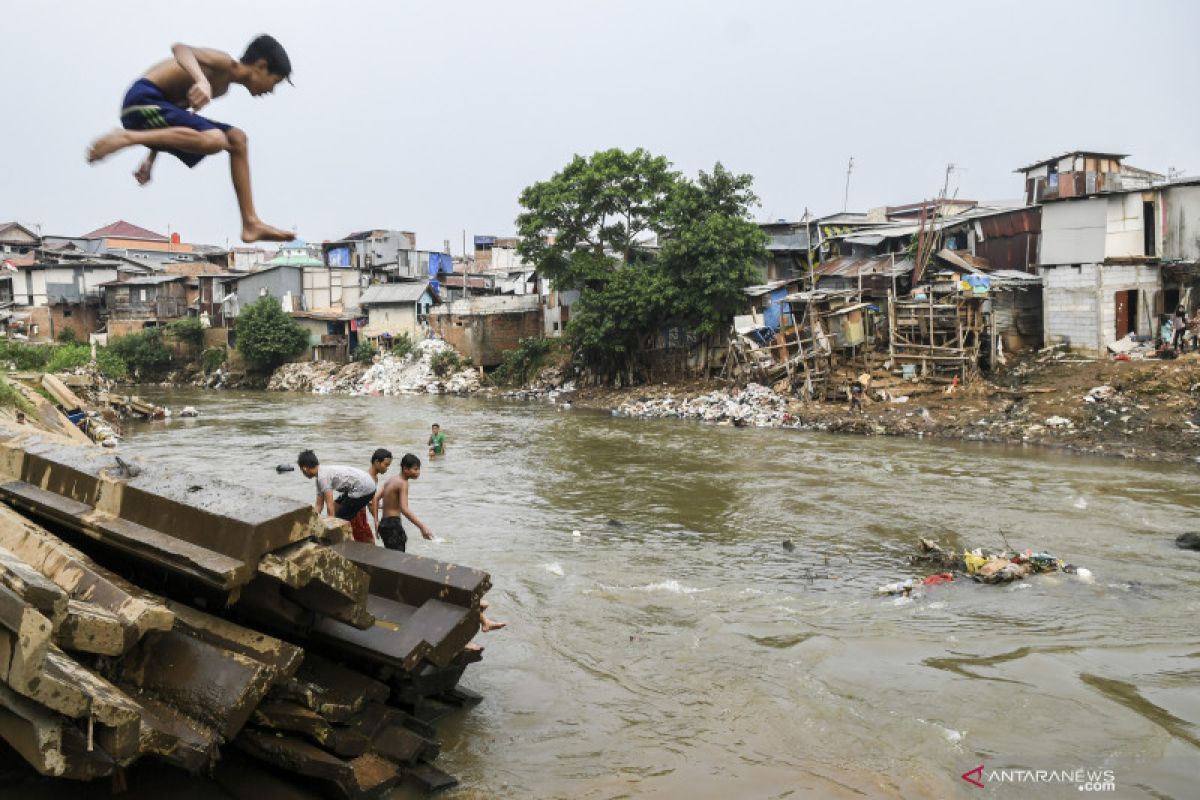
846,196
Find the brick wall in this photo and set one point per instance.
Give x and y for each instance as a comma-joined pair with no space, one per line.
485,337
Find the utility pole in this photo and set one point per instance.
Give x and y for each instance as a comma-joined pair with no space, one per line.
812,278
846,196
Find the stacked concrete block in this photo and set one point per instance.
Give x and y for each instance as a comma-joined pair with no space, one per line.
328,658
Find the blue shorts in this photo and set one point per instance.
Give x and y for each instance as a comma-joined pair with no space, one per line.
147,108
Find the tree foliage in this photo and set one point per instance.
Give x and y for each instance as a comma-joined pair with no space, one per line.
713,249
582,229
189,331
145,354
267,336
595,209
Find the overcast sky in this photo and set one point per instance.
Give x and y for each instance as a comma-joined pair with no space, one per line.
432,117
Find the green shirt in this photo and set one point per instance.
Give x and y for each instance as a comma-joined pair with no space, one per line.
437,441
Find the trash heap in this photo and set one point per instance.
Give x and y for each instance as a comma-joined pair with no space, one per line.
414,374
755,406
316,376
981,566
267,632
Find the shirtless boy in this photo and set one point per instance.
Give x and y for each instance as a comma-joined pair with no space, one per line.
394,494
159,113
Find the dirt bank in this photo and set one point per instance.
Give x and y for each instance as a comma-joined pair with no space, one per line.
1144,410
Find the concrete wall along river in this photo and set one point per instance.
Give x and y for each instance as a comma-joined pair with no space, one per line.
675,649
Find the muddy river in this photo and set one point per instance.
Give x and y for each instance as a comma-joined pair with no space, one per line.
675,648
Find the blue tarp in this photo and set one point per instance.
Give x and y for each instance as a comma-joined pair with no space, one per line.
339,257
440,262
776,311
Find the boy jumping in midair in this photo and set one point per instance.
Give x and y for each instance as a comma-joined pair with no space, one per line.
159,112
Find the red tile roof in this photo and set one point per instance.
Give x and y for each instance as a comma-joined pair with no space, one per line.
124,230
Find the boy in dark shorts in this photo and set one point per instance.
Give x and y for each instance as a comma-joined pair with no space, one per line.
354,489
394,495
160,112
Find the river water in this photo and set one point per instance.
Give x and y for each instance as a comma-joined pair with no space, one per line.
674,648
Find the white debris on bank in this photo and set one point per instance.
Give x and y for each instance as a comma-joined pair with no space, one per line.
755,406
389,375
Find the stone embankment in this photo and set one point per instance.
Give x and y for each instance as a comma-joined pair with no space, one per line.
388,375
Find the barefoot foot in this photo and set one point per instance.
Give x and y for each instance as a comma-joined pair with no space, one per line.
106,145
261,232
488,626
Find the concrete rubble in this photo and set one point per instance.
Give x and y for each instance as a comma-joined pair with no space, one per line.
145,614
389,375
755,406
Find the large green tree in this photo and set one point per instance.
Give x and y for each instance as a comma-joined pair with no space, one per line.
587,218
267,336
582,228
712,250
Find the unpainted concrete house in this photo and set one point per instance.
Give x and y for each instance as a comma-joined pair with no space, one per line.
1114,260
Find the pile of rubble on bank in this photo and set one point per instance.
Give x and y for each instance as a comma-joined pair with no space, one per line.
388,375
755,406
550,383
146,614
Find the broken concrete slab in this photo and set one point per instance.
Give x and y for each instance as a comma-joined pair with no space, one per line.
74,691
322,580
31,635
282,658
82,579
218,687
403,636
337,693
245,779
363,777
412,579
173,736
225,518
91,629
33,587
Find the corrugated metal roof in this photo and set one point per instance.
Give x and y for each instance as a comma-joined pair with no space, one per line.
788,241
147,280
766,288
387,293
853,266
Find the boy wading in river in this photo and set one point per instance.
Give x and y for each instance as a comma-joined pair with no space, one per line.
160,112
394,495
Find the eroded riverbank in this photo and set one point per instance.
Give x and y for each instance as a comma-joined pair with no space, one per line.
1145,411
